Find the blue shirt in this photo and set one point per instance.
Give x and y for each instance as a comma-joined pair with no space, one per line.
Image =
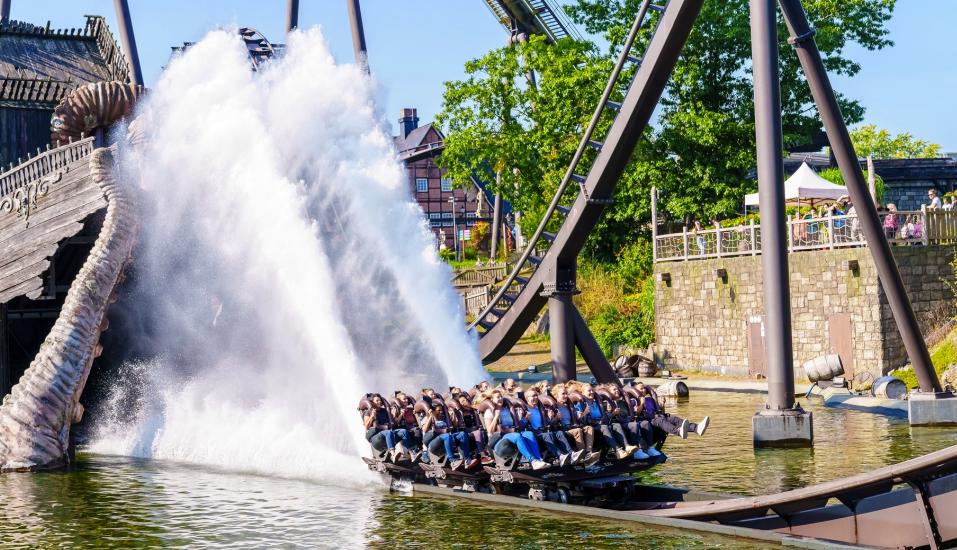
536,418
595,409
566,415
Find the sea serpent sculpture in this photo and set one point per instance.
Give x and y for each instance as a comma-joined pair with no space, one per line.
36,416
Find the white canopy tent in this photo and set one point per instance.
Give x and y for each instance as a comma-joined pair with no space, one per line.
805,187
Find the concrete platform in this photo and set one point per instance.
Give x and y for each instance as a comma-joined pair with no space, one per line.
932,409
776,429
865,403
702,384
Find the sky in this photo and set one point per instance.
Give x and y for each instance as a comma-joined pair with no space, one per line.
416,45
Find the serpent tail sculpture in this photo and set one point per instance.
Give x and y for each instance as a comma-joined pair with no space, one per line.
36,416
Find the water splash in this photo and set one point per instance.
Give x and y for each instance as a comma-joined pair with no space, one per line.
283,270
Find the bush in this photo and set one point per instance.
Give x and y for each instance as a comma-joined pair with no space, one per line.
447,254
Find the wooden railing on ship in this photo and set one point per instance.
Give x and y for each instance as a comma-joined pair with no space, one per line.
44,163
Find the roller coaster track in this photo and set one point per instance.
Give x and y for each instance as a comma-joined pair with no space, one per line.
534,17
910,504
535,278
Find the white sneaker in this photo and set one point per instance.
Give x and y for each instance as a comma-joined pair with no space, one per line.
564,459
539,464
641,455
703,425
577,456
683,429
592,459
653,451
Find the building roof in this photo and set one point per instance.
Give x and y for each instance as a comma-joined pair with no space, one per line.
41,65
888,169
416,138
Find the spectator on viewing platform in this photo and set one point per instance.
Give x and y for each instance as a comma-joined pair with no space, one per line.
935,203
699,238
891,221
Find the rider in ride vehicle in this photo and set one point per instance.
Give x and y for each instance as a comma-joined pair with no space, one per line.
637,432
570,421
380,432
595,414
439,435
668,423
501,419
539,420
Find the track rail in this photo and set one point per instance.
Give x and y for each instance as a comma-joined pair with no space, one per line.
509,313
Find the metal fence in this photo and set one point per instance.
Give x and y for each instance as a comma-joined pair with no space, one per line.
43,164
905,228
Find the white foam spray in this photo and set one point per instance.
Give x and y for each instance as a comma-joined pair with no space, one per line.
283,268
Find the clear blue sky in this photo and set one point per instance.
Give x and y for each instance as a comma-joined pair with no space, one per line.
416,45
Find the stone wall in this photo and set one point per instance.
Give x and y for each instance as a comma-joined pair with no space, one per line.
910,195
703,321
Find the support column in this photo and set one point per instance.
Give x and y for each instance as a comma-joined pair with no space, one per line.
292,16
561,329
802,37
125,25
5,10
496,219
780,424
358,34
592,353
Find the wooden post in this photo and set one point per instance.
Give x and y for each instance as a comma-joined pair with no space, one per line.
684,236
871,179
754,240
790,234
4,354
654,224
717,238
830,229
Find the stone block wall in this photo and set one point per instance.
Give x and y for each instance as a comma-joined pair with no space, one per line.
910,195
703,322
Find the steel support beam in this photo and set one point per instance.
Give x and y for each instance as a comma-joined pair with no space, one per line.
496,218
358,34
802,37
128,40
591,352
292,16
561,329
774,253
5,10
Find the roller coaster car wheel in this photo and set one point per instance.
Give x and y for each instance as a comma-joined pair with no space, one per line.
537,495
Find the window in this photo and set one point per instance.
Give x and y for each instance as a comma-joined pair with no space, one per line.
447,215
470,215
446,185
435,216
446,223
469,223
421,185
435,223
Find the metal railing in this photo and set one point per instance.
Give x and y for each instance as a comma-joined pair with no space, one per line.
901,228
44,163
479,276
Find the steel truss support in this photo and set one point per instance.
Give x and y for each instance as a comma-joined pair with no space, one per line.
129,40
292,16
358,34
774,253
802,37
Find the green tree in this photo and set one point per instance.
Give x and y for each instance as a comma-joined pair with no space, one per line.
879,143
704,143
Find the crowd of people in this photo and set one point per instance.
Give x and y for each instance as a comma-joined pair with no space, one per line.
544,425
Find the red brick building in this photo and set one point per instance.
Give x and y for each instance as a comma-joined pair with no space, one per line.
419,147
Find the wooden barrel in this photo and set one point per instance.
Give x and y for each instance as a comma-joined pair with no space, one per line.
889,387
674,388
825,367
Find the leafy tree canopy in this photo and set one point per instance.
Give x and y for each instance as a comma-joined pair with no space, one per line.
879,143
700,150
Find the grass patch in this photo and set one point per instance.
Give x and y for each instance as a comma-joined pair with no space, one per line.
942,355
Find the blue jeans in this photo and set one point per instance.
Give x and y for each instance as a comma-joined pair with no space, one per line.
556,442
523,441
462,440
402,434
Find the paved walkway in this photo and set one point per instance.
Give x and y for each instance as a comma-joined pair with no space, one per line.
536,352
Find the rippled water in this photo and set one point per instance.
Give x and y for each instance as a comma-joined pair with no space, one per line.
845,443
121,503
116,502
